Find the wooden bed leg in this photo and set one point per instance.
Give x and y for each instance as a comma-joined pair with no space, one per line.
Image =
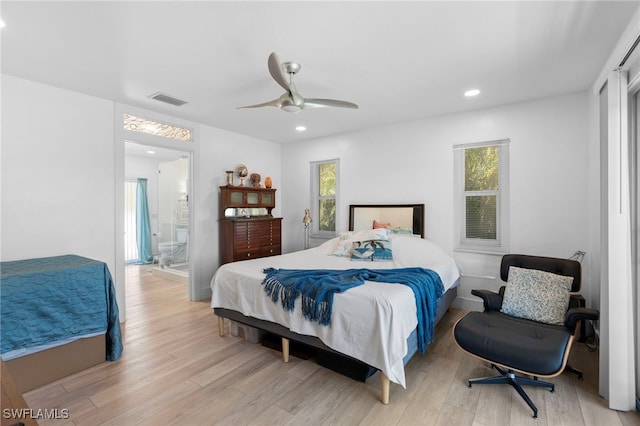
384,393
221,326
285,349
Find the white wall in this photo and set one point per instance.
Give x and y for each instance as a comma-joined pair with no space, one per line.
220,151
213,152
57,173
413,163
58,158
60,165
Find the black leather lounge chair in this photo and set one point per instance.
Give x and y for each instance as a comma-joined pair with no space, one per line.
511,335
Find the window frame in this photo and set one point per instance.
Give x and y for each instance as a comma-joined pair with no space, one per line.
316,198
499,245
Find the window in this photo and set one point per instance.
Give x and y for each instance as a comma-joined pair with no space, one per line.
152,127
481,196
324,184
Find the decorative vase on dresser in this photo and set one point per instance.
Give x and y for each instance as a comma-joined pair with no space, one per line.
247,228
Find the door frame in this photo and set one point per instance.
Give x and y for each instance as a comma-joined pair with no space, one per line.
120,137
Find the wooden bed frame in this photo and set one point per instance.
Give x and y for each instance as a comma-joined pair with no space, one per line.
361,216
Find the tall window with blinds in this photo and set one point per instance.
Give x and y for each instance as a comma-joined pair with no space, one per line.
481,196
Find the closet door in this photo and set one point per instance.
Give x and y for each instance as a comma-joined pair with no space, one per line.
617,338
634,148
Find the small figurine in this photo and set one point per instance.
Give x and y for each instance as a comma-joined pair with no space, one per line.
307,218
255,180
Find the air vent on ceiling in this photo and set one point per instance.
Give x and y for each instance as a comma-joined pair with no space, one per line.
162,97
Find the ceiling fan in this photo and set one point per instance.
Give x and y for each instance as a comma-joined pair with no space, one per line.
291,100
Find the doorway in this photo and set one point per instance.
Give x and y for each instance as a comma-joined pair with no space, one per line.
166,173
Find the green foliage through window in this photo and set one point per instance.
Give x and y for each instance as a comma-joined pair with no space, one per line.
481,217
481,168
327,201
481,185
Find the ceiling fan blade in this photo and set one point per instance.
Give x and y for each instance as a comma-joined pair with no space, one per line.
275,69
297,98
275,103
291,100
318,103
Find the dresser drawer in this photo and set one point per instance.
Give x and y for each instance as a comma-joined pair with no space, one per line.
243,239
270,250
246,254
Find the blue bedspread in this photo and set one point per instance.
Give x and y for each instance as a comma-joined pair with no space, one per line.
54,299
316,288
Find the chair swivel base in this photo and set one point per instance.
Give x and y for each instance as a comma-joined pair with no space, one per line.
575,371
509,377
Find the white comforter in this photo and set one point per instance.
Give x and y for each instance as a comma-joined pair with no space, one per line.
371,322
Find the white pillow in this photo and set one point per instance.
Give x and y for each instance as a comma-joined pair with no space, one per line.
346,239
536,295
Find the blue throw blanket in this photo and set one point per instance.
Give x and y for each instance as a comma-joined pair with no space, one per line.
316,288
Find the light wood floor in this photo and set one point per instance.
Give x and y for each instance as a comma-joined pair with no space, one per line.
176,370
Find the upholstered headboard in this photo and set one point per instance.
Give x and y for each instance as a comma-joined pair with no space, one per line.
409,217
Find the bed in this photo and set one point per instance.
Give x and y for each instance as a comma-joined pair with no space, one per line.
374,324
59,316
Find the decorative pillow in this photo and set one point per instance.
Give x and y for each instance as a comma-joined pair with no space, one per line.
399,231
372,250
342,248
377,224
536,295
345,240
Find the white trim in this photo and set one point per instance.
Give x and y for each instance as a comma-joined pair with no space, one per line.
634,97
315,212
122,135
500,245
497,142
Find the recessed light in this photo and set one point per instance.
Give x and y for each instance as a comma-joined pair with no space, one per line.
151,152
472,92
301,128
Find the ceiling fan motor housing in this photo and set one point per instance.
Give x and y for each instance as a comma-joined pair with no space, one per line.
291,67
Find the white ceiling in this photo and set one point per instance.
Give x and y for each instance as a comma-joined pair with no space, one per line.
398,61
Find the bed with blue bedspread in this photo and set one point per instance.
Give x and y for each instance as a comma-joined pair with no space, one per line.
54,301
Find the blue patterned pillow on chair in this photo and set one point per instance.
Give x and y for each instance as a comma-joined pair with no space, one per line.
536,295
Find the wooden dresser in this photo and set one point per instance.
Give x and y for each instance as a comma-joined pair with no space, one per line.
247,228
